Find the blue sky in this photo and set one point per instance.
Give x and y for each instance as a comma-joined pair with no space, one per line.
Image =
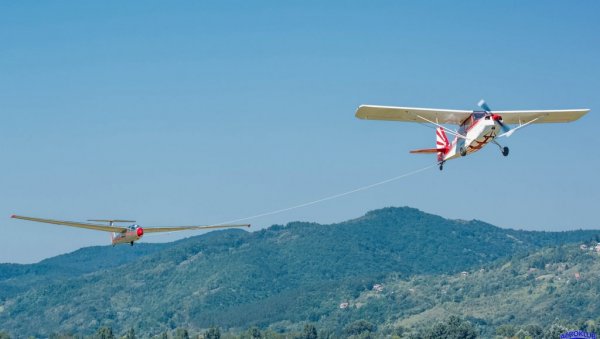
202,112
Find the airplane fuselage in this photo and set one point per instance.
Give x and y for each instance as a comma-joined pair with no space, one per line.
479,130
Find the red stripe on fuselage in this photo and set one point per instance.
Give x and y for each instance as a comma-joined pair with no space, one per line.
486,139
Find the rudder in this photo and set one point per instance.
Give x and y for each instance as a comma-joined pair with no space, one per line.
441,143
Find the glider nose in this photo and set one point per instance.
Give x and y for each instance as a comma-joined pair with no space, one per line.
496,117
140,231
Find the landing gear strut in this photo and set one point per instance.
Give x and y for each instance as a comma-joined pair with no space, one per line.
504,149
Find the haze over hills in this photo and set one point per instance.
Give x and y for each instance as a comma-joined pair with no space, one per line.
283,276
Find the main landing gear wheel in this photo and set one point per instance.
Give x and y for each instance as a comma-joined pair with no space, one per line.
504,150
132,243
463,152
441,167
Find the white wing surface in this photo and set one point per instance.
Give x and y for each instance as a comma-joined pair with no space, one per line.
74,224
188,228
522,117
412,114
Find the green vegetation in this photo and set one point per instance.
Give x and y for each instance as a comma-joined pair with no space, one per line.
104,333
213,333
310,332
15,278
520,293
453,328
289,281
359,327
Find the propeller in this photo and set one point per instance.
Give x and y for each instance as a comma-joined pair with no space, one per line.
484,105
496,117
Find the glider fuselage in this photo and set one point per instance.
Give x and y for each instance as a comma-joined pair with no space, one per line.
133,234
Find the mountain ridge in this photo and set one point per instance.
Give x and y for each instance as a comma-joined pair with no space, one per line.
282,274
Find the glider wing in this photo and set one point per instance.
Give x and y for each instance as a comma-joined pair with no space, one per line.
74,224
187,228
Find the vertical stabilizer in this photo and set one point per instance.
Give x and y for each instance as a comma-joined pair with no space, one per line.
441,143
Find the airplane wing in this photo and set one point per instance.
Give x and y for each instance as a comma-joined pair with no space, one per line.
74,224
522,117
412,114
187,228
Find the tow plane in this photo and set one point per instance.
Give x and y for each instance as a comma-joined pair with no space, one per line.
475,128
123,234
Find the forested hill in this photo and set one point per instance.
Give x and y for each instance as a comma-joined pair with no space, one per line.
281,275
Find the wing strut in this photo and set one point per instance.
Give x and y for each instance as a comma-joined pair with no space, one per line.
456,134
512,130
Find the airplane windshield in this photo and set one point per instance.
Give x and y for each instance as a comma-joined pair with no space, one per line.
471,119
467,123
478,115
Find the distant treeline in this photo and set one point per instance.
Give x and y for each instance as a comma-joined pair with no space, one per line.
452,328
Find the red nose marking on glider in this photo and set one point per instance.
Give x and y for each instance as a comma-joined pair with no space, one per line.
496,117
140,231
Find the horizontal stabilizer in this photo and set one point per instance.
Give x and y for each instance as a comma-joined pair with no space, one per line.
428,150
110,220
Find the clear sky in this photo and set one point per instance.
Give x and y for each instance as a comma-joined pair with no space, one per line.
199,112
